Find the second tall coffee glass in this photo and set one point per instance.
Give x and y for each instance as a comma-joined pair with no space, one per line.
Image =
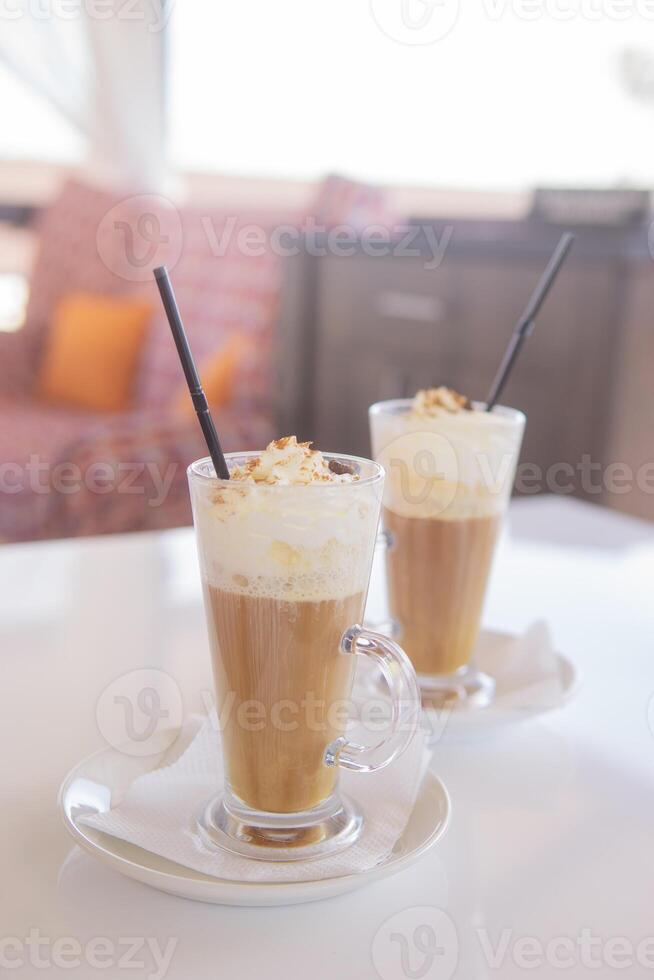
449,479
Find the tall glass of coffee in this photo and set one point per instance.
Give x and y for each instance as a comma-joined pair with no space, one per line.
450,469
285,548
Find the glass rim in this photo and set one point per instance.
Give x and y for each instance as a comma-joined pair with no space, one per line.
504,412
194,472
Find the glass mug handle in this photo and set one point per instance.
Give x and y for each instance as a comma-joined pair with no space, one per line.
397,671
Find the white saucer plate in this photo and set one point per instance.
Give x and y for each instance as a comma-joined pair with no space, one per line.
104,777
510,707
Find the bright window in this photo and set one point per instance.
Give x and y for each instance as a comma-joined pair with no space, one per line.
31,128
505,100
13,300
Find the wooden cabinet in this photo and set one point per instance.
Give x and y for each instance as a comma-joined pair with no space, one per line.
360,329
631,421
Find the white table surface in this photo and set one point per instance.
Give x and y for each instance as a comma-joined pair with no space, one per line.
552,831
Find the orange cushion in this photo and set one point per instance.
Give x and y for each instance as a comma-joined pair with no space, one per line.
217,376
92,351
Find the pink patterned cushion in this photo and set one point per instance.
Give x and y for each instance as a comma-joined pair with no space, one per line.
31,436
133,449
15,370
221,289
94,240
64,445
68,258
32,428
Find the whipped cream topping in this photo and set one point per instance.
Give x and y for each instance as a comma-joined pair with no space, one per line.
289,462
431,402
287,525
447,464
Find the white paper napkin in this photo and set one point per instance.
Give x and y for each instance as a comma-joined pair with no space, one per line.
159,812
530,677
526,669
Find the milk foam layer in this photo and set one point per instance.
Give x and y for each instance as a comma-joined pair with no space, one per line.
295,542
444,464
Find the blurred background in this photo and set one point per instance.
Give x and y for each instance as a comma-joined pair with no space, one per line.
354,201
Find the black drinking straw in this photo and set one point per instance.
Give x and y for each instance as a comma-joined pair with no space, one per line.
527,321
190,372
